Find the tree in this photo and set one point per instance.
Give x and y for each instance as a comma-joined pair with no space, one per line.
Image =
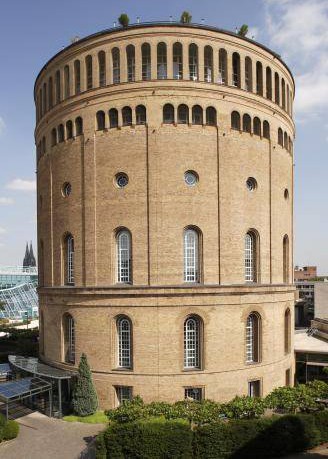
84,398
124,20
186,17
243,31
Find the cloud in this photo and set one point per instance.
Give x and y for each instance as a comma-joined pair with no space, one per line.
6,201
2,231
22,185
2,125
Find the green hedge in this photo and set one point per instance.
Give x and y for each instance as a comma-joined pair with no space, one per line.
8,429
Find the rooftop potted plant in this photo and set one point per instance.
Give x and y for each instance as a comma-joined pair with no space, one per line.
186,17
124,20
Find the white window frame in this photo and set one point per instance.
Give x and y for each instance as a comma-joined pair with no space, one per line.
191,255
124,257
70,260
124,342
192,343
193,62
123,394
70,337
250,257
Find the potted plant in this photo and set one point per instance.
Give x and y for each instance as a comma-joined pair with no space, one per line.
124,20
186,17
243,31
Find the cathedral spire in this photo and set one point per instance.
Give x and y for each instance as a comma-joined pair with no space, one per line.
26,257
32,261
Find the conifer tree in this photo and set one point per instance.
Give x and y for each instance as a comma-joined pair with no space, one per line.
84,398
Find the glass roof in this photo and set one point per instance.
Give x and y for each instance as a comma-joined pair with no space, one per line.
33,365
4,369
21,388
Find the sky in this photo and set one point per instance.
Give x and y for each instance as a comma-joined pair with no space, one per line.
31,32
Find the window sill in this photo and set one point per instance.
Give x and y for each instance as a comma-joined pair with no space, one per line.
123,369
190,370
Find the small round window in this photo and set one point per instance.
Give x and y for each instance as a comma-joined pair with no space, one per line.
251,184
121,180
191,178
67,189
286,193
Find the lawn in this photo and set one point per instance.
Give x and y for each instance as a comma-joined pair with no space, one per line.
97,418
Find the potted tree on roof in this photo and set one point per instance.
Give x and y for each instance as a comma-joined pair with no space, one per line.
124,20
186,17
243,31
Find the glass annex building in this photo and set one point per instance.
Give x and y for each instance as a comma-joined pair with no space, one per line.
18,292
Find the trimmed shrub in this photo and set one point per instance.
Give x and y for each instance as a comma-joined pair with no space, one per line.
129,411
101,447
10,430
321,422
244,408
84,398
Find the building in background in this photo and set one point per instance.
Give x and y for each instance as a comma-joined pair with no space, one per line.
304,273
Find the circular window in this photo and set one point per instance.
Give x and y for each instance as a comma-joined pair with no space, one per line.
251,184
67,189
286,193
191,178
122,180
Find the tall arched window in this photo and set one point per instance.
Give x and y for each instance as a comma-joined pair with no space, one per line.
161,61
211,118
197,115
69,338
61,135
131,62
100,120
116,65
78,126
88,72
146,61
102,68
285,140
192,342
248,74
259,78
126,116
141,115
124,265
251,257
69,129
268,83
266,130
288,99
66,82
191,255
124,341
253,338
77,77
41,326
44,97
177,61
222,66
280,137
168,114
287,331
235,121
247,123
283,93
50,94
276,88
53,137
208,64
41,103
257,126
285,259
183,114
193,62
58,87
236,70
68,260
113,118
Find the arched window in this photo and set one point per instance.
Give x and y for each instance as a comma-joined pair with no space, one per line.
235,121
78,126
247,123
280,137
192,342
276,88
161,61
283,93
102,68
191,255
131,62
257,126
100,120
211,119
116,65
248,74
290,145
53,137
259,78
288,99
113,118
124,339
268,83
124,263
68,260
183,114
126,116
177,61
285,140
50,94
44,97
66,82
58,87
197,114
253,338
88,71
77,77
146,61
69,129
61,135
266,130
208,64
44,149
251,257
222,66
41,104
141,115
69,338
285,245
236,70
41,326
287,331
193,62
168,114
